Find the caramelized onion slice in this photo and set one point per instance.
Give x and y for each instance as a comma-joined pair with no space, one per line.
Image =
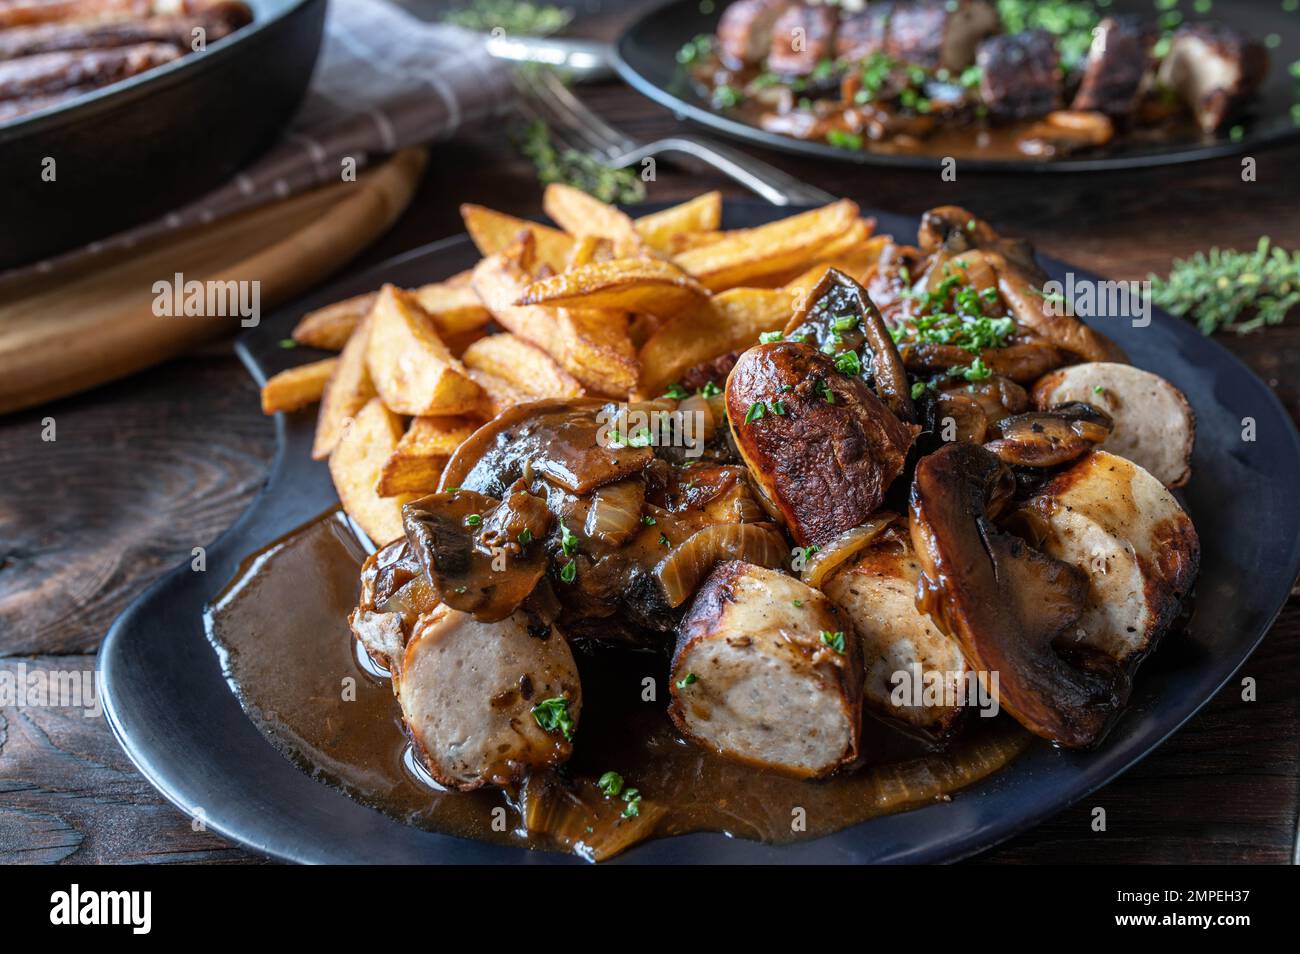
615,512
833,555
682,570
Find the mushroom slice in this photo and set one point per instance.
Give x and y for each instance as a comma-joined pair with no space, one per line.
1003,601
821,448
569,441
487,703
1036,313
877,593
1049,438
765,673
478,555
840,318
1119,525
1155,426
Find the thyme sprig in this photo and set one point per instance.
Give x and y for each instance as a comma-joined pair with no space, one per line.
1228,290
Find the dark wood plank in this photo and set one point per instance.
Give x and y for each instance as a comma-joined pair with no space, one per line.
148,468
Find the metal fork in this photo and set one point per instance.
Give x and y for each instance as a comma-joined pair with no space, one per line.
544,96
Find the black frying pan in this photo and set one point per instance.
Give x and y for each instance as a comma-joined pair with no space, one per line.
646,60
130,152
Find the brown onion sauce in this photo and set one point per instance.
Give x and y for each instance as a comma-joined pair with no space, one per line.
281,630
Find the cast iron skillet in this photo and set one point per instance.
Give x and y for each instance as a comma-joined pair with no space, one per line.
182,726
132,151
646,59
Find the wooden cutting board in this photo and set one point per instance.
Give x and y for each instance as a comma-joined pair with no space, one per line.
75,328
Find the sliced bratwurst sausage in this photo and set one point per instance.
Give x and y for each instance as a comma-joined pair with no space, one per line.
821,447
767,672
486,703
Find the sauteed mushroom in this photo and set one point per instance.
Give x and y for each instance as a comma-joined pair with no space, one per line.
1004,601
1049,438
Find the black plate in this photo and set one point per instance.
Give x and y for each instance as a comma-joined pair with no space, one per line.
646,59
181,725
135,150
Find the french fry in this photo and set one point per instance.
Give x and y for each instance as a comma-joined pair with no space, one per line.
524,366
580,214
729,321
689,240
412,368
628,284
494,232
454,309
701,214
329,328
498,393
783,246
367,442
297,387
417,462
593,346
588,248
345,394
856,262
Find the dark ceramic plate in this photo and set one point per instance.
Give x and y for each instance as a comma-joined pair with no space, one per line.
646,59
183,727
134,150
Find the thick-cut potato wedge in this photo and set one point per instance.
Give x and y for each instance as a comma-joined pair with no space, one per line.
498,393
454,309
412,368
524,366
329,328
580,214
627,284
494,232
421,454
856,262
774,249
730,321
345,394
367,443
589,248
593,346
297,387
689,240
701,214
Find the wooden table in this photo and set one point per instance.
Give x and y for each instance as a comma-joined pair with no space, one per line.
146,469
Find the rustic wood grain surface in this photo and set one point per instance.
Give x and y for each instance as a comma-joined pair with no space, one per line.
145,469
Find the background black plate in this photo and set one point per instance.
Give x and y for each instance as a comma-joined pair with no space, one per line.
135,150
180,723
647,61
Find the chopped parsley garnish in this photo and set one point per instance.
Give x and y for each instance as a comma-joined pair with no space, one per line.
568,540
632,808
709,390
796,603
473,520
1098,389
287,343
770,337
834,640
648,520
610,784
842,139
778,407
696,48
553,716
824,389
525,537
844,323
664,541
676,392
726,97
569,572
847,362
689,679
918,388
977,370
755,412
